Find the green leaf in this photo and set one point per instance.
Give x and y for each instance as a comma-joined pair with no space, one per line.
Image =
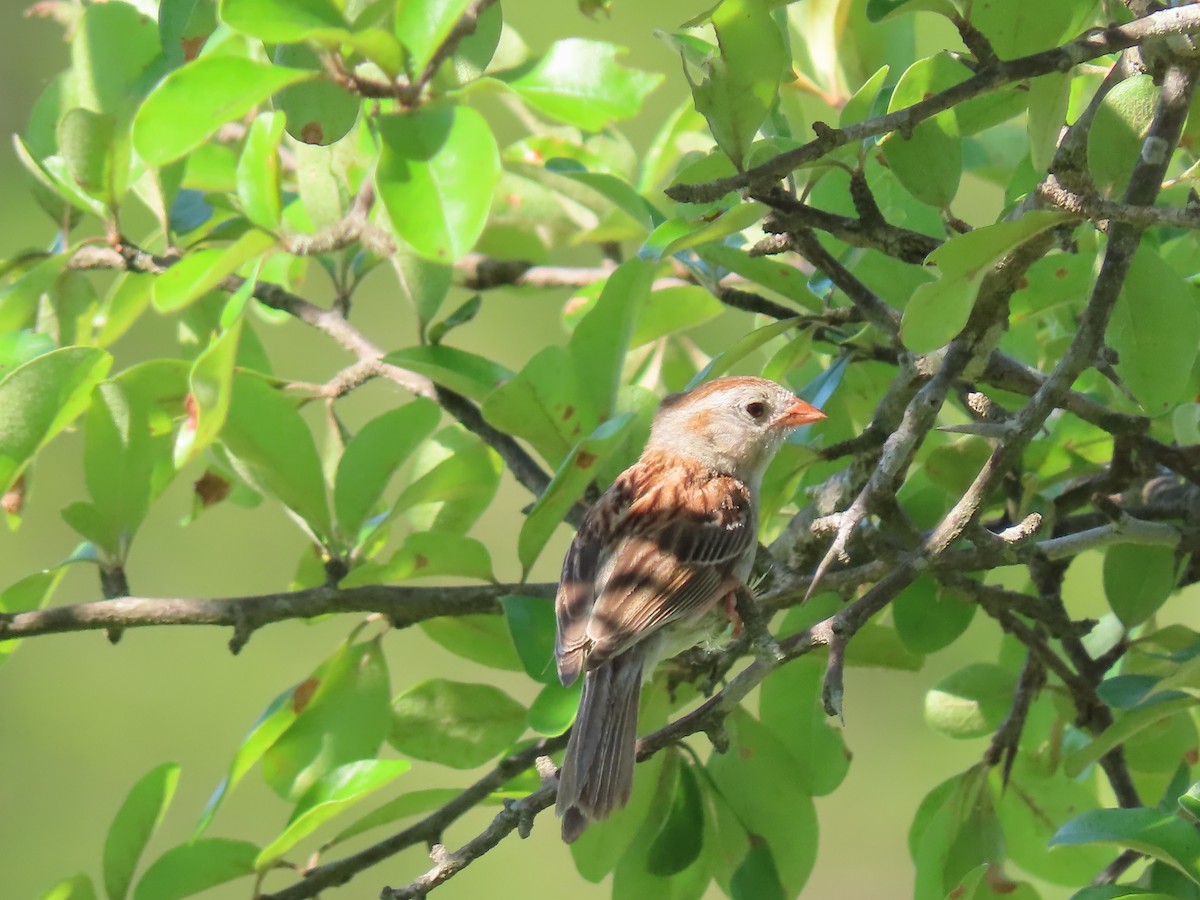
194,867
673,310
939,309
42,397
123,306
866,100
258,171
757,878
1189,802
877,10
1161,835
635,877
200,271
482,639
532,625
601,339
342,716
282,21
469,374
114,46
678,844
741,81
191,103
19,347
1128,724
402,807
184,26
422,283
31,592
928,162
437,171
424,25
948,834
372,456
275,450
1155,329
210,387
553,709
680,233
616,190
879,646
126,463
545,403
86,140
334,792
461,316
276,719
78,887
1121,892
781,278
456,724
1049,96
432,554
727,359
138,818
970,702
318,111
929,618
19,300
476,51
1116,136
757,777
452,494
790,707
568,484
1034,805
1137,580
580,82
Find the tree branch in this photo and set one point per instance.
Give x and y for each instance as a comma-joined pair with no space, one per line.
427,831
1097,43
403,605
335,325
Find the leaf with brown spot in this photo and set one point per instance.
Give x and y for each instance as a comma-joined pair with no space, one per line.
568,485
14,499
304,693
210,488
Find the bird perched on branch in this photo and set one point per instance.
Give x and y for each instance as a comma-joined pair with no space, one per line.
655,567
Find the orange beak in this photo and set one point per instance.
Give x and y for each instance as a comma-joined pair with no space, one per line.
800,413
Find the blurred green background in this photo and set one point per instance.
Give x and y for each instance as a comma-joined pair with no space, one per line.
81,720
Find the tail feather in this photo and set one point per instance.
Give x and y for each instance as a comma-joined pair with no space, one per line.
597,771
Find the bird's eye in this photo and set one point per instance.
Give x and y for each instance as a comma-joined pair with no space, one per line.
755,409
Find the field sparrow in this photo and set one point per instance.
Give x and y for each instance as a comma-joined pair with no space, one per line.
654,568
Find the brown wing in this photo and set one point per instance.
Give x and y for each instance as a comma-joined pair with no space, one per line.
577,584
673,551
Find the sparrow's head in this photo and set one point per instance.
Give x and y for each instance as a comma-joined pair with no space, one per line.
731,425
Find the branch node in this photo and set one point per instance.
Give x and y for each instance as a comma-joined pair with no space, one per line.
242,629
547,771
1023,530
772,244
718,735
833,691
764,644
822,130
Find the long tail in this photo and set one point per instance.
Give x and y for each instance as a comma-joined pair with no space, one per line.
597,771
